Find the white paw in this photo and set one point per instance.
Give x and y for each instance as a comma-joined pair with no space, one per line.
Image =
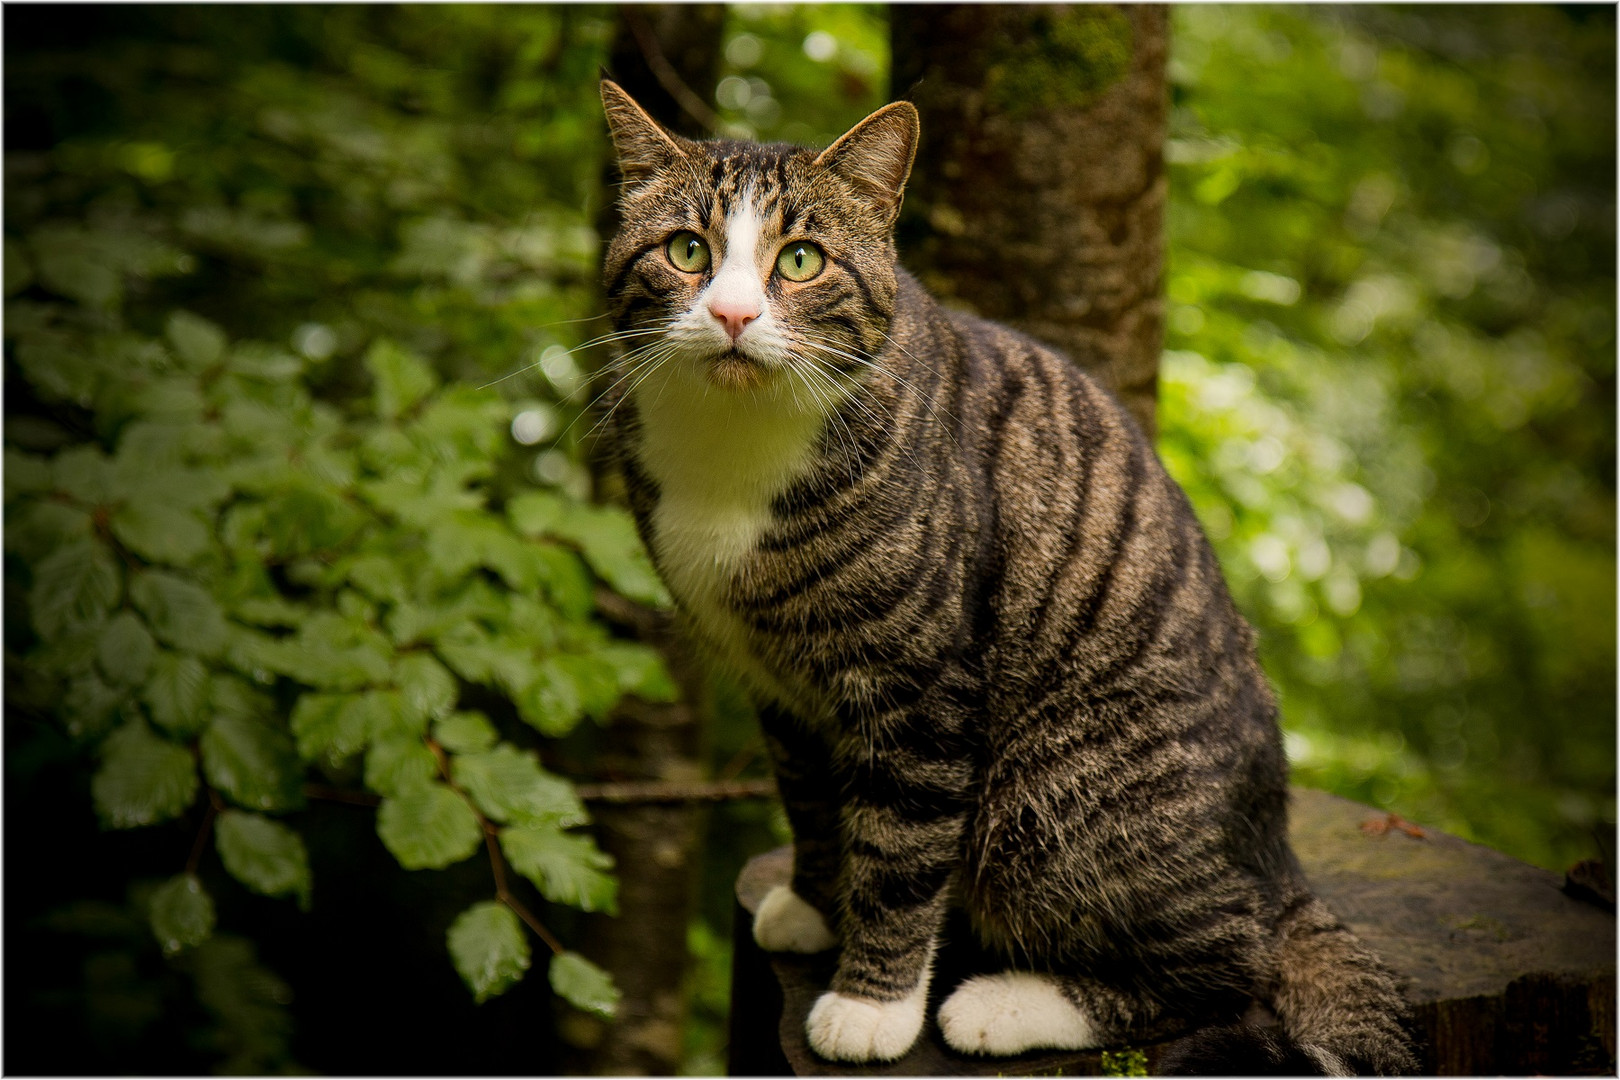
863,1029
786,923
1013,1012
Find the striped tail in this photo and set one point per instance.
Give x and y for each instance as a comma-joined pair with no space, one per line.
1341,1012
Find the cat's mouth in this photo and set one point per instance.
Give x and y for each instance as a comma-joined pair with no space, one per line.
736,370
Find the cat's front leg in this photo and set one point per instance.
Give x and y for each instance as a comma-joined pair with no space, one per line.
902,834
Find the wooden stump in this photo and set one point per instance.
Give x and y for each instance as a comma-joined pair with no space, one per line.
1505,972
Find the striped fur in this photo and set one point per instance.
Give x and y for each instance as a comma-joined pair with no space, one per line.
996,661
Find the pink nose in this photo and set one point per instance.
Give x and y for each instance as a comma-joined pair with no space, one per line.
733,315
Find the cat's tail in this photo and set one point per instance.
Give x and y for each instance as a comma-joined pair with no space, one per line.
1341,1011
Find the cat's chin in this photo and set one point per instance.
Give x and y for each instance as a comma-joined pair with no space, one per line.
734,370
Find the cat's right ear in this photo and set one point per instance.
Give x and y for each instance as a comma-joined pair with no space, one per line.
876,154
643,147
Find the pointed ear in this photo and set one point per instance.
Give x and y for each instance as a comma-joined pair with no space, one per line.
876,154
643,147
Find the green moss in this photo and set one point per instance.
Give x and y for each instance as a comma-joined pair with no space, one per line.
1124,1063
1057,61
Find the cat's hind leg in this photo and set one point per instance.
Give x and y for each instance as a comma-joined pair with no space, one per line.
1014,1011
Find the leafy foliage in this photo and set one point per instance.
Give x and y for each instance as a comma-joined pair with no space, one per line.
272,536
1390,390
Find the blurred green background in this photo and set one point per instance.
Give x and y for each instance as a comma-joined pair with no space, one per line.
1388,383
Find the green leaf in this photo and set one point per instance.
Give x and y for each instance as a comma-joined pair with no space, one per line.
536,513
199,343
252,763
516,560
181,913
125,649
379,577
19,273
84,473
465,732
488,948
25,474
89,265
565,689
35,530
75,584
89,705
334,653
567,868
232,695
475,657
302,518
640,670
428,828
398,764
567,584
427,688
143,779
584,985
71,655
508,784
333,726
402,379
609,540
264,855
181,613
177,693
160,532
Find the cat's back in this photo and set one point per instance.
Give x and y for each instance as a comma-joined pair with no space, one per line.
1097,579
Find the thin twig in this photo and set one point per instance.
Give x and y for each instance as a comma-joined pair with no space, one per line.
497,863
497,866
665,72
676,791
648,624
200,843
743,758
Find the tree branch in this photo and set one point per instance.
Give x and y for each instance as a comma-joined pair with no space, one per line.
665,72
677,791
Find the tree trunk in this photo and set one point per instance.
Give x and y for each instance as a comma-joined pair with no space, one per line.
667,57
1039,190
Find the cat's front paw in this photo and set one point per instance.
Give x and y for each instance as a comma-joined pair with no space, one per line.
844,1028
1013,1012
785,923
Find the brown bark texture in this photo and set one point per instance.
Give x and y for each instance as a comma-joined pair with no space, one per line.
667,57
1038,194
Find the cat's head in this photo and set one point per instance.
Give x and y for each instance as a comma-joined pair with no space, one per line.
753,264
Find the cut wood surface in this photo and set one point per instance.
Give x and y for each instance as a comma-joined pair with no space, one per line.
1506,973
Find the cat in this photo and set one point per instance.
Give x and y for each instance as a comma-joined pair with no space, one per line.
997,666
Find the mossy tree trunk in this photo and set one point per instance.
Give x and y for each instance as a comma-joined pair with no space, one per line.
667,57
1039,190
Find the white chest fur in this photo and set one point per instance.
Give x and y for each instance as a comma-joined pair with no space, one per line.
720,458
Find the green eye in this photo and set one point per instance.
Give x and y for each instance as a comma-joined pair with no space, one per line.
800,261
688,252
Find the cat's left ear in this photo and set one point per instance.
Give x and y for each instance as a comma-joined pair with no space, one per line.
876,154
643,147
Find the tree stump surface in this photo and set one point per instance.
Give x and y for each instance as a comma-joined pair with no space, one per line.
1505,972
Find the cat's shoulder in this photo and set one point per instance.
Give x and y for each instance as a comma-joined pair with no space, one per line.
993,352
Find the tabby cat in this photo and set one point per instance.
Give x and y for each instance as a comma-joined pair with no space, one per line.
997,665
